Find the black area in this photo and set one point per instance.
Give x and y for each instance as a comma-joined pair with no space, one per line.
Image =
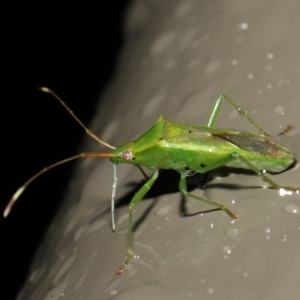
72,50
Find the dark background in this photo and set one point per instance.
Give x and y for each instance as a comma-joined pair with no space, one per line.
72,50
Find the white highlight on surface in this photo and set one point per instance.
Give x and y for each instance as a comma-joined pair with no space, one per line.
283,192
244,26
227,249
284,238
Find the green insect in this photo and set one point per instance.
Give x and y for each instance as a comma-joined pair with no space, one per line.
186,149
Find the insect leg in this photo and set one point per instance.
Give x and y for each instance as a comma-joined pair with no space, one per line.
183,190
135,200
287,129
215,110
143,172
113,195
235,156
260,173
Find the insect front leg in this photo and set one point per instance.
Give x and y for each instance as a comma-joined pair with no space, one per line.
135,200
215,110
183,190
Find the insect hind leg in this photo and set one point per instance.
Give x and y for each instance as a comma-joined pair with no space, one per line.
215,110
272,183
235,156
184,192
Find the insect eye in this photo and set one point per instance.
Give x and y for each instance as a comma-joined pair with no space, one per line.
127,155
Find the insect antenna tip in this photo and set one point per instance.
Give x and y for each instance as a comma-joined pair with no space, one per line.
12,201
44,89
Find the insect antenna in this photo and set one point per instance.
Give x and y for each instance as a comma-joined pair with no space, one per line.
88,131
18,193
20,190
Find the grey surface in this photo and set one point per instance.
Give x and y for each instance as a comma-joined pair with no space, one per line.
178,57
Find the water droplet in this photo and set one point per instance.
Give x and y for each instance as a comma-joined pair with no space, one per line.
270,56
291,209
163,211
232,221
81,230
196,261
212,67
227,249
279,110
233,234
80,281
210,290
95,226
36,274
113,292
55,292
234,62
200,231
123,218
267,229
64,268
250,76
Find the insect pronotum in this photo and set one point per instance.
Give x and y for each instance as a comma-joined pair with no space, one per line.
186,148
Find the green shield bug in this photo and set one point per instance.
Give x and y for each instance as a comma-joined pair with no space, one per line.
186,149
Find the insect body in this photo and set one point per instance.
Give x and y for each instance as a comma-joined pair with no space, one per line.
187,148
